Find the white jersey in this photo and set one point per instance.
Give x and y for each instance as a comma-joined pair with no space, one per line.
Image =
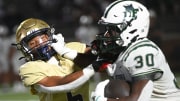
145,59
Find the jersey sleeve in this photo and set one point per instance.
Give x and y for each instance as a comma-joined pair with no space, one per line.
79,47
34,71
31,73
143,62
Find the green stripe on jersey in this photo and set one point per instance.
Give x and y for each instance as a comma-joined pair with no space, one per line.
153,70
144,43
153,74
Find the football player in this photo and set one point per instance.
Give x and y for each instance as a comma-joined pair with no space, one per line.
140,61
50,70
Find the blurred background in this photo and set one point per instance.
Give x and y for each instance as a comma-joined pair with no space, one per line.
77,21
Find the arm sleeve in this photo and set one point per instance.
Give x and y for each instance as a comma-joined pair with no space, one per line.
87,73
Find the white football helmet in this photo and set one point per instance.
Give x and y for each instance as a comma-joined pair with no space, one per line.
128,19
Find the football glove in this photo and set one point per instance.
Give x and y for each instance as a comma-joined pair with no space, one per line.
98,94
100,65
59,47
95,49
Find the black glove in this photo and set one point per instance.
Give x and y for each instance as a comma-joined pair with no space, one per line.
100,65
95,47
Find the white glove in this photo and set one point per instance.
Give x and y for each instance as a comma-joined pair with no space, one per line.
98,94
88,71
60,48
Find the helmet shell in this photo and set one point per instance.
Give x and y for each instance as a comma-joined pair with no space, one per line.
29,29
29,26
130,17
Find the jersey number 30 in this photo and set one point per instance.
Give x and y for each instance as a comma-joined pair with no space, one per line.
147,60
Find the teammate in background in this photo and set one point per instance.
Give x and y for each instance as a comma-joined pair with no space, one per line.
140,61
50,70
8,74
155,29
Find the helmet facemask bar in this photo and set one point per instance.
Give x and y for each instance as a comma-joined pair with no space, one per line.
113,35
120,28
117,29
111,40
107,42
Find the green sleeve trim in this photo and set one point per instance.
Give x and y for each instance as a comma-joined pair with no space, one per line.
151,75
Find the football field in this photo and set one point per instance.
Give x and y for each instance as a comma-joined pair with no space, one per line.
26,96
23,96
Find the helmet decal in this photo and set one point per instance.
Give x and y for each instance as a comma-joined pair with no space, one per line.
131,11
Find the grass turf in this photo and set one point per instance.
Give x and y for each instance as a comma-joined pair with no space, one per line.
26,96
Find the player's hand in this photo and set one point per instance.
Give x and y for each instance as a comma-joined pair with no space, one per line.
58,44
98,94
100,65
95,47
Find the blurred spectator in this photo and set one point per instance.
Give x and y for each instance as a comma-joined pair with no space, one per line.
5,71
8,62
155,30
13,56
12,17
2,12
86,32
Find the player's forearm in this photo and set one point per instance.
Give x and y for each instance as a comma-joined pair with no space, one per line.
70,78
84,59
87,73
58,80
141,91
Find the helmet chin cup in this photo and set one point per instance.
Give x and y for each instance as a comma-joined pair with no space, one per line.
44,53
